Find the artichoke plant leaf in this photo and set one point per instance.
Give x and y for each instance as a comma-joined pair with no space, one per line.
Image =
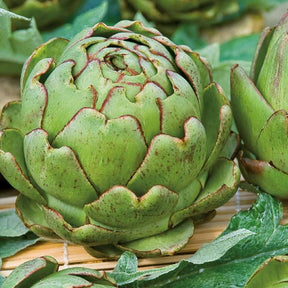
127,263
14,236
232,269
240,48
126,268
11,245
188,34
220,246
16,46
11,225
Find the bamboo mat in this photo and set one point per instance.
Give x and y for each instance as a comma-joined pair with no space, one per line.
69,255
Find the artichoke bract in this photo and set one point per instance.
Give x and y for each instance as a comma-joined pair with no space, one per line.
259,106
119,139
167,14
47,13
43,272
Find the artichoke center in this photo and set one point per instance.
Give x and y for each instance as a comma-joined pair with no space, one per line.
116,61
123,62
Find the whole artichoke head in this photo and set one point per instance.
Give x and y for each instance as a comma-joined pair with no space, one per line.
47,13
167,14
119,137
260,105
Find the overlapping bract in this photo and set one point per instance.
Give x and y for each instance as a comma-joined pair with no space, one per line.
260,106
119,139
46,13
168,14
43,272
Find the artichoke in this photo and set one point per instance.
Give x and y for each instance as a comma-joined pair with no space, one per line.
119,139
43,272
168,14
47,13
260,104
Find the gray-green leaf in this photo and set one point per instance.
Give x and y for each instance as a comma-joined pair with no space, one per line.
11,245
218,248
14,236
11,225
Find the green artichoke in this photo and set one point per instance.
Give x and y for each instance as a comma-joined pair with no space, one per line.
119,139
47,13
260,105
167,14
43,272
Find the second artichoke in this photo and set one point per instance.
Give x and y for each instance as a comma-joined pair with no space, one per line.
166,15
260,105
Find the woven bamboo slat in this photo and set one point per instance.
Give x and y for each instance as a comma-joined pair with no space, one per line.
69,255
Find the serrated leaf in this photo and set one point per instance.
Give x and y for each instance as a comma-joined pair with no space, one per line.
11,225
219,247
11,245
236,266
127,264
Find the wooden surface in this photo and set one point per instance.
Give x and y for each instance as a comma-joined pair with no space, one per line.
9,90
69,255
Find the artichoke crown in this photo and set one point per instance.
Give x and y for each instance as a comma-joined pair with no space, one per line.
116,137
